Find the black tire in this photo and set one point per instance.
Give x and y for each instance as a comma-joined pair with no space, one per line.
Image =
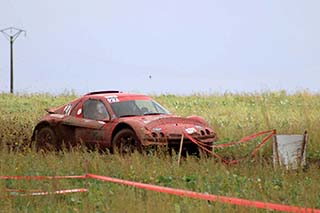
203,153
126,142
46,140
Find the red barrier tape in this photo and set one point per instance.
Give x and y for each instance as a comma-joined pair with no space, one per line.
167,190
243,140
42,177
197,195
37,193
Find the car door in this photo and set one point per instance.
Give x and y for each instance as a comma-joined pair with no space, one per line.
93,123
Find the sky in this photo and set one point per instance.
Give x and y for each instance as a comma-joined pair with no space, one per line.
162,47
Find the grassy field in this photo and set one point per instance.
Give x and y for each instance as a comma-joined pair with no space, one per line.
232,116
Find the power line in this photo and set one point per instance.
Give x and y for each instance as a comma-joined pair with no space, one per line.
12,33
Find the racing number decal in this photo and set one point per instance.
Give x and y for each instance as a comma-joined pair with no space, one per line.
79,111
67,109
112,99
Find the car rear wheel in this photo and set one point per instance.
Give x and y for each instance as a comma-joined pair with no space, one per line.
46,139
126,142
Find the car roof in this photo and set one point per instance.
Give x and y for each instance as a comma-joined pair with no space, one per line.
116,93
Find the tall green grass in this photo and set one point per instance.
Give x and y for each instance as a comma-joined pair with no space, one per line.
248,180
232,115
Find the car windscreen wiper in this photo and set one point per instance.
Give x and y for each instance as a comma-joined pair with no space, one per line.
152,113
130,115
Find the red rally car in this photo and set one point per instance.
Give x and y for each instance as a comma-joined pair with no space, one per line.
118,121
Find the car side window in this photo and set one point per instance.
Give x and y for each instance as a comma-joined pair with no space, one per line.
95,110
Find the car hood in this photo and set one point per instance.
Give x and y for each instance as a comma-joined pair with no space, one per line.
169,124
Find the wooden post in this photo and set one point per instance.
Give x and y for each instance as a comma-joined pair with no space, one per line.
180,149
304,144
276,151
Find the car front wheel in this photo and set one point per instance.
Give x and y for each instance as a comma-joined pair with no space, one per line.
126,142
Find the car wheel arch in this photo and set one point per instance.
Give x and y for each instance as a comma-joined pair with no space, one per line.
38,127
41,125
199,119
120,127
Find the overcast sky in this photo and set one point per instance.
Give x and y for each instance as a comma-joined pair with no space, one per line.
166,46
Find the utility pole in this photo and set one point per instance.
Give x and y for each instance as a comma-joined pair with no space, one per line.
12,33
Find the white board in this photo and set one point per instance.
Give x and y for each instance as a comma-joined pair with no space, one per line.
289,151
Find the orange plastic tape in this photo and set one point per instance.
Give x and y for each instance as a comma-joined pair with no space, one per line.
246,139
243,140
42,177
37,193
204,148
197,195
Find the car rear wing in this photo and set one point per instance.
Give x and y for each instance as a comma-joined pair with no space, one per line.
102,92
51,110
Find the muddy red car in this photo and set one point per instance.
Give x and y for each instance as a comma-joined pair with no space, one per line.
118,121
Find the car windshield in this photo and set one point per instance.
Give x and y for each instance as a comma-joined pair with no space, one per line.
137,108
